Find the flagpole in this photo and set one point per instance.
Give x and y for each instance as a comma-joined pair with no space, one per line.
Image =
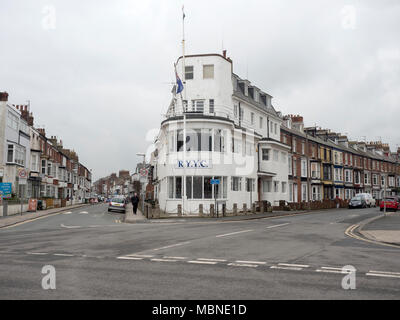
184,113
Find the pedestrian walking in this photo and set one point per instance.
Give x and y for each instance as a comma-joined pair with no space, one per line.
135,202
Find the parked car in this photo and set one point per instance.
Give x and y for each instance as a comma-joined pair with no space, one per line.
369,199
117,204
358,201
392,203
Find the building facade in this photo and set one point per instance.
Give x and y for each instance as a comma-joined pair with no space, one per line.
53,171
223,143
223,129
334,167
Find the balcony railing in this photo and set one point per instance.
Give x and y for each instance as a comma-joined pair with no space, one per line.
220,111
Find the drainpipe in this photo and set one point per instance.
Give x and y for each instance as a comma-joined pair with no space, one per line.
258,168
308,173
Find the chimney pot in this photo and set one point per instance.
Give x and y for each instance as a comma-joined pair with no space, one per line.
224,53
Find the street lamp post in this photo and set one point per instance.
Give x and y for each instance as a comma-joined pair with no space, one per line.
142,193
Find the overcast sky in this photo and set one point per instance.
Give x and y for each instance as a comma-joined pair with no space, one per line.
97,73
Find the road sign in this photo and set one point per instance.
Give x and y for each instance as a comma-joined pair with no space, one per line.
22,181
215,181
5,189
22,173
143,172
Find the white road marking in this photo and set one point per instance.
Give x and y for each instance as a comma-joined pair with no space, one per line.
385,272
207,259
69,227
69,212
293,265
83,212
232,233
163,260
139,255
176,258
277,225
37,253
332,268
328,271
249,262
171,246
130,258
243,265
202,262
286,268
64,254
382,275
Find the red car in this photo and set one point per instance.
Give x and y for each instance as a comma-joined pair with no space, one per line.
392,203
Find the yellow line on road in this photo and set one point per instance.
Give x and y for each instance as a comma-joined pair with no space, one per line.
350,233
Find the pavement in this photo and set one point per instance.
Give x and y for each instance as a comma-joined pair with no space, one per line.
96,256
249,216
130,217
385,228
27,216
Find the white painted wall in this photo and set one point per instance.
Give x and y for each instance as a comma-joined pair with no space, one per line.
220,88
228,164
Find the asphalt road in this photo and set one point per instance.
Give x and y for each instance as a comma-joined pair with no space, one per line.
98,257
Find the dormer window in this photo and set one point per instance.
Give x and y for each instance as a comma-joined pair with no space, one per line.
241,87
251,92
263,99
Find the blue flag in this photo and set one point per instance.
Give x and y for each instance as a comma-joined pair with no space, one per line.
179,83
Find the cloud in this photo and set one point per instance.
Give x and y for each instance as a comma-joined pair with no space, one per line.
100,79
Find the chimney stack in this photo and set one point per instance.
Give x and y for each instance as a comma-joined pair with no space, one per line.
297,122
3,96
42,131
224,53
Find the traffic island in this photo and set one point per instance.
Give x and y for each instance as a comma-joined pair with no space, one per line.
384,229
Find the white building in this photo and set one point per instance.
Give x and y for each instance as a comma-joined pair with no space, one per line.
14,145
232,135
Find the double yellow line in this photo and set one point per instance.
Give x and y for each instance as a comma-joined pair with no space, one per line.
350,233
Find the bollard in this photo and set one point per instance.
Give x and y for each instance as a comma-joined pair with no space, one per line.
253,208
212,210
245,208
200,209
235,211
223,209
261,207
179,210
157,212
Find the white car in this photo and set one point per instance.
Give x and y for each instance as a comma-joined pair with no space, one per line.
117,204
369,199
